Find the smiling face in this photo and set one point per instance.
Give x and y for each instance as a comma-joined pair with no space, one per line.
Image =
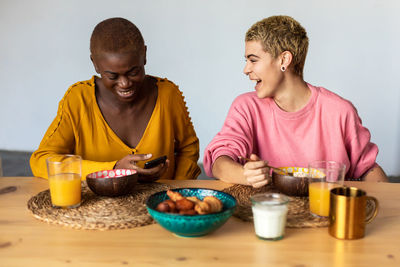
262,68
121,73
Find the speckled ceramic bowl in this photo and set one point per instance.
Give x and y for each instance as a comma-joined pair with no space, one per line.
112,183
192,225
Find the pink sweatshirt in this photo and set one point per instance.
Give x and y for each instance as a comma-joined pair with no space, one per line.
327,128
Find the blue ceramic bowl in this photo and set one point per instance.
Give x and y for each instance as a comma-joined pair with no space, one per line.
192,225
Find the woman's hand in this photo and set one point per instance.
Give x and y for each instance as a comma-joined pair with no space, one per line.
145,175
129,161
256,172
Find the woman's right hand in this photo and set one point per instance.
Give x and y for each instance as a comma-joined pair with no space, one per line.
145,175
256,172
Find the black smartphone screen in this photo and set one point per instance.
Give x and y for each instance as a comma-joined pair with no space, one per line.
152,163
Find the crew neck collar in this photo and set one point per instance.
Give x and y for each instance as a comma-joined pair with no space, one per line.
303,111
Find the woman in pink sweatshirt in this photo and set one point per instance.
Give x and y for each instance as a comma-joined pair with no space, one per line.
286,121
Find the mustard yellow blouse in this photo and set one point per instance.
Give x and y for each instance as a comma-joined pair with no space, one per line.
80,128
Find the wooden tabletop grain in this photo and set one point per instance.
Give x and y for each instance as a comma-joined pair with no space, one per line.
26,241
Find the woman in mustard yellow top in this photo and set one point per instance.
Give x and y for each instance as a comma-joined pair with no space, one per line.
124,117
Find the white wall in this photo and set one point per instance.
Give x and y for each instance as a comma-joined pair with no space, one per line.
44,48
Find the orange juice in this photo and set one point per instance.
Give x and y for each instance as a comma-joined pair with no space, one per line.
65,189
319,194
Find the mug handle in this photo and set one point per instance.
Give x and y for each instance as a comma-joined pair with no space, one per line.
372,208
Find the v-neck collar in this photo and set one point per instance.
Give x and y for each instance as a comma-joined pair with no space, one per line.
113,134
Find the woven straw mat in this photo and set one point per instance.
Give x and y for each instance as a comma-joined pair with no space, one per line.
98,212
298,212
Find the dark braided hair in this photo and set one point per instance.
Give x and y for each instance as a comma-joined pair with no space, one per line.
116,35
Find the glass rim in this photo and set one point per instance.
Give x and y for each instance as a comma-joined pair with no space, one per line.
69,156
271,199
317,169
339,164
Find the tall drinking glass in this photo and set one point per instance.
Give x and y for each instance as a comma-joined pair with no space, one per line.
65,173
323,176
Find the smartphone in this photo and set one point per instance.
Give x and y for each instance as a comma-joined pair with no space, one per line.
155,162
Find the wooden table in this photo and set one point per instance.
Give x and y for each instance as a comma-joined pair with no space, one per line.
26,241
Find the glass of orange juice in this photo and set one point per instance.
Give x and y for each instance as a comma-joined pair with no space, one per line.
65,173
323,176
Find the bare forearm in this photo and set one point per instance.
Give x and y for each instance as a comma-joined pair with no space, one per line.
227,170
376,175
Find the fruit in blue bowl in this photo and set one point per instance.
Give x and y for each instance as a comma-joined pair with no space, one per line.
191,225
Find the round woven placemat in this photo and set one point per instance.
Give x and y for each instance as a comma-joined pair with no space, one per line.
298,215
98,212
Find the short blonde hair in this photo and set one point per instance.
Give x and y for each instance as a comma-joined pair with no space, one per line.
281,33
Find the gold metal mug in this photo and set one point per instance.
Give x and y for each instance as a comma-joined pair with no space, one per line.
350,210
